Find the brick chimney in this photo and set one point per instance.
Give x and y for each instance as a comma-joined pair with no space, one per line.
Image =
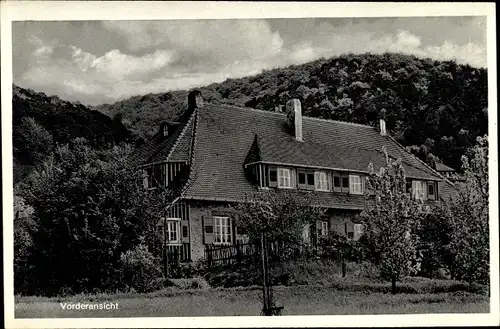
294,117
195,100
381,126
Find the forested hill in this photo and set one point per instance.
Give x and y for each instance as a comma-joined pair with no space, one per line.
434,108
40,122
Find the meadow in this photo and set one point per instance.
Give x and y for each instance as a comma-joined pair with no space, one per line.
341,298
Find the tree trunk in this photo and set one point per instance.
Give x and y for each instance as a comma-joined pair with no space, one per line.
393,285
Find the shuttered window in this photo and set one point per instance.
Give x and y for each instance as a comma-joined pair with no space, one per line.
222,230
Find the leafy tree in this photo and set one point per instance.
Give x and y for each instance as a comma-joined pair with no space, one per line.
467,211
90,207
281,215
277,217
32,142
390,218
423,98
434,233
139,269
24,227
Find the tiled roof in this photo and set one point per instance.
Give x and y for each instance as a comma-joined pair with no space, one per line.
443,167
224,135
158,148
181,151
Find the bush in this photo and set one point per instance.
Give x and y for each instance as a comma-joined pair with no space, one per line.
189,270
138,270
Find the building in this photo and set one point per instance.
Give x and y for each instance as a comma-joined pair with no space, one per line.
218,154
448,172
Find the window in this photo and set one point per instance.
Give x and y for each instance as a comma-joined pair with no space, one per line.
306,234
172,230
324,228
336,181
272,175
222,230
310,179
302,178
432,190
345,184
356,186
358,230
284,178
419,189
153,176
322,181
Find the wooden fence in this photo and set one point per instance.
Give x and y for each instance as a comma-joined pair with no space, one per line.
241,252
178,253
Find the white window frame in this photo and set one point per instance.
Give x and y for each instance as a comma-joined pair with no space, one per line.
306,234
173,228
358,231
223,230
419,190
324,228
284,178
355,184
321,181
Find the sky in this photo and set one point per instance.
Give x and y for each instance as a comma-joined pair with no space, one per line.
97,62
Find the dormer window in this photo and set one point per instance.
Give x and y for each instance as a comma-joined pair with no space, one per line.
165,131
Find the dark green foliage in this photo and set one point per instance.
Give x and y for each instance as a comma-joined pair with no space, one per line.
423,98
31,142
139,270
89,207
435,235
336,244
41,122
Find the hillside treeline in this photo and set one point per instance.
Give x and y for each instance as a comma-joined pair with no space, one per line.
436,109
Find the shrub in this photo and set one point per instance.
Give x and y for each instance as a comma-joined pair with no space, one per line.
138,270
189,270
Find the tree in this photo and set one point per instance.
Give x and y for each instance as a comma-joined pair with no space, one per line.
467,211
31,141
24,227
278,216
90,207
390,218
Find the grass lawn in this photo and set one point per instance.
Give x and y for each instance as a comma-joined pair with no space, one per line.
297,300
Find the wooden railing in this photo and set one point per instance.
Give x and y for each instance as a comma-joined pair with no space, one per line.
241,252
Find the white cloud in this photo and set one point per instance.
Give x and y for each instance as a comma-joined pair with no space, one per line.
161,56
217,39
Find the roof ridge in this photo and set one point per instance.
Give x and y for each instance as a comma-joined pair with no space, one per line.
183,131
422,162
282,114
192,157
